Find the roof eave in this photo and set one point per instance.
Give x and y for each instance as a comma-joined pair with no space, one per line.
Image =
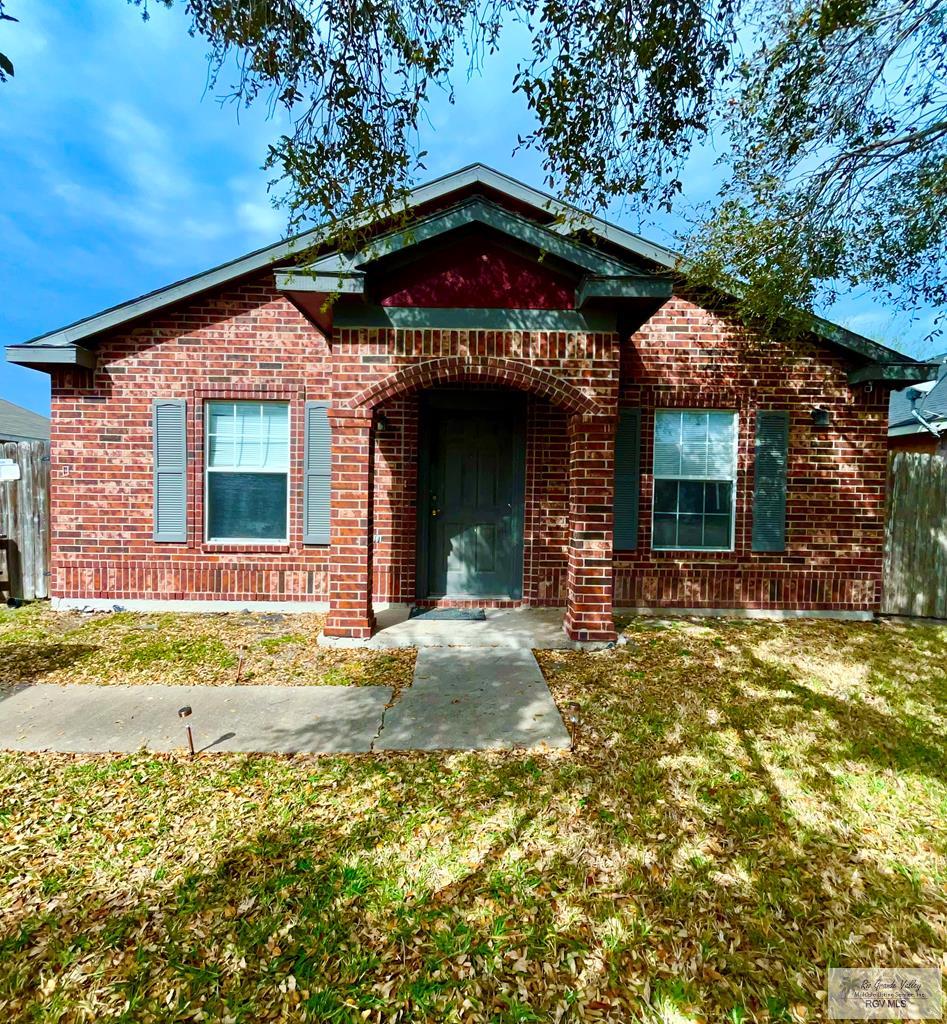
565,221
893,373
45,357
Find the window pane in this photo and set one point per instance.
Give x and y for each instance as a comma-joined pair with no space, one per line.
220,418
690,532
250,506
248,435
691,497
664,530
720,427
665,495
720,449
275,431
716,531
717,497
219,451
220,433
249,452
694,444
667,443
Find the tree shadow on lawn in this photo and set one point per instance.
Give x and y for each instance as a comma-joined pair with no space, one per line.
711,849
30,662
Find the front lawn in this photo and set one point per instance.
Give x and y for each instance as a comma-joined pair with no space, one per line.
39,645
750,803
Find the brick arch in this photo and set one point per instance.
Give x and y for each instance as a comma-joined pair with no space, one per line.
511,373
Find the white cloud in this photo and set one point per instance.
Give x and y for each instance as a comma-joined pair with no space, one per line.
261,221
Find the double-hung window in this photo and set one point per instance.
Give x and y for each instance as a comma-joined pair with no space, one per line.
695,468
247,486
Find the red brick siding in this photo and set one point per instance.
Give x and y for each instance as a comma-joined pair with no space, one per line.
245,342
546,528
249,341
685,356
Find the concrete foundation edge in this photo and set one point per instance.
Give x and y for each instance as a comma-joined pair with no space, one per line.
109,604
118,604
750,613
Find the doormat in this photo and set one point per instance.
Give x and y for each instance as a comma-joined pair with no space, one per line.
445,614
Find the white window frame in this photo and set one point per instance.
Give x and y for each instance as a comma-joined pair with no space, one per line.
698,479
208,469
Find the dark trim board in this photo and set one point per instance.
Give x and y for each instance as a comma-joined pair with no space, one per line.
43,356
421,317
894,373
474,211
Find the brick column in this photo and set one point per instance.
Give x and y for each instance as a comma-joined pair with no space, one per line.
591,486
350,553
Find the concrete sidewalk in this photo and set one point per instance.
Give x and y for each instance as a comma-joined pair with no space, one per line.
460,700
271,719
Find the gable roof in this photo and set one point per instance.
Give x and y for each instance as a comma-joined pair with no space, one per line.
63,346
932,404
19,424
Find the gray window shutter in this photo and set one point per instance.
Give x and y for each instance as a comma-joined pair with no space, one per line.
769,487
318,474
169,439
627,459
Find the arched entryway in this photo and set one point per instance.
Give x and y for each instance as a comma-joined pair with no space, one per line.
590,460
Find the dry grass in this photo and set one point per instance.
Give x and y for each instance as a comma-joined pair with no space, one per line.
40,645
749,804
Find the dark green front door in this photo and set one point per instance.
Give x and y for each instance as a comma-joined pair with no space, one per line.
471,500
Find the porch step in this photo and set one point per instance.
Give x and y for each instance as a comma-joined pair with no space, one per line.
514,628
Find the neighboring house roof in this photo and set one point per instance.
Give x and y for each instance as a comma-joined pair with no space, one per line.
19,424
929,399
62,347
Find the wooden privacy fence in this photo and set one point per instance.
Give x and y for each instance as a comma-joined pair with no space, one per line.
24,522
915,566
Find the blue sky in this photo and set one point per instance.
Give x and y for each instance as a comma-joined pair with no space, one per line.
122,174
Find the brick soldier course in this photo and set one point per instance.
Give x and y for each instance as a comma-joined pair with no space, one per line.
244,333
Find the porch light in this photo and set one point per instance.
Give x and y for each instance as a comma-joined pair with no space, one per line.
821,417
382,426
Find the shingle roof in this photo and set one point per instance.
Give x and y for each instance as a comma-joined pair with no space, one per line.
19,424
932,405
63,346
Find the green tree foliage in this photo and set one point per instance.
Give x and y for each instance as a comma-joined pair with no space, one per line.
837,158
6,65
831,118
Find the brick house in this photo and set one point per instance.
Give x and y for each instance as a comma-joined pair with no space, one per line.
495,409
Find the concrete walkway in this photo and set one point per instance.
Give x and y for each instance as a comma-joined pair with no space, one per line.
474,699
469,700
